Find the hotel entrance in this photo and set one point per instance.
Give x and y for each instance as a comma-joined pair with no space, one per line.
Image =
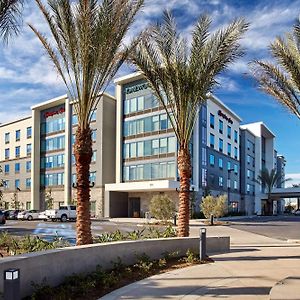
134,207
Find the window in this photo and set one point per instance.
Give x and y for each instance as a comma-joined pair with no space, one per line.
52,179
235,185
163,145
18,135
6,169
94,156
220,163
53,161
204,159
211,159
94,135
235,152
220,181
248,173
53,143
228,183
248,188
93,116
74,120
140,103
220,145
7,137
204,177
228,165
133,105
56,125
235,167
155,147
235,136
163,122
6,184
132,150
17,168
171,144
220,126
28,166
28,132
17,183
28,205
229,149
93,177
212,121
212,140
229,132
155,123
6,153
28,149
17,151
248,159
28,183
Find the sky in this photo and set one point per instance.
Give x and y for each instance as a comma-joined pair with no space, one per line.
27,77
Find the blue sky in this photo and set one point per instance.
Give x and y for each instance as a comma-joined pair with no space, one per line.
27,77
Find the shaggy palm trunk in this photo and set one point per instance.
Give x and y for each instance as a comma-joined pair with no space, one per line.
184,169
83,155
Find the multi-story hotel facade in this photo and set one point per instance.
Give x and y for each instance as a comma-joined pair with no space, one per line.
134,156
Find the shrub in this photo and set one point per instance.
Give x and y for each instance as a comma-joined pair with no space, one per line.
216,206
162,207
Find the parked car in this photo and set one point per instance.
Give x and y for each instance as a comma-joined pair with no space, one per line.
42,216
2,218
63,214
296,212
12,214
28,215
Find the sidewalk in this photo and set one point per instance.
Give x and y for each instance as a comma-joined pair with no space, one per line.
252,268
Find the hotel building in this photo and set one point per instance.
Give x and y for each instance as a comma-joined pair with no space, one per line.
134,154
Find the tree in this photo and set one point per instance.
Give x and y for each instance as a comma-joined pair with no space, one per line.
49,200
281,79
86,51
182,80
162,207
214,206
15,203
270,180
10,17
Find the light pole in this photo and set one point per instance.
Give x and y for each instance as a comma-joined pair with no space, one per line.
228,187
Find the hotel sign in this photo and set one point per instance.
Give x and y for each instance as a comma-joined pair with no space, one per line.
53,113
224,116
136,88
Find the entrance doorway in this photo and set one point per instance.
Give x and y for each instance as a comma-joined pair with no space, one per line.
134,207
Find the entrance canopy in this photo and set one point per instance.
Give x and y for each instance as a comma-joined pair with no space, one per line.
280,193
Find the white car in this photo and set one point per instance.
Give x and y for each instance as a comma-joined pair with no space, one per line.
28,215
296,212
42,216
64,213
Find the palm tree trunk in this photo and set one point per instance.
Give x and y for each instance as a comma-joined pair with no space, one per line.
83,155
184,169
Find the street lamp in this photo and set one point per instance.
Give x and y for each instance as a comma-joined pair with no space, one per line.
12,284
228,186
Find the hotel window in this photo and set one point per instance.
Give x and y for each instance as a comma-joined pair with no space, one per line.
53,161
28,166
93,116
28,132
74,120
163,145
229,149
94,135
132,150
235,185
140,172
93,177
220,181
235,152
248,144
212,121
28,182
28,149
229,132
248,173
228,165
235,167
155,123
28,205
204,177
18,135
248,159
163,122
228,183
171,144
212,140
53,143
211,159
155,147
6,184
204,159
248,188
139,126
52,179
140,149
220,126
17,168
235,136
17,183
220,163
140,103
17,151
6,169
7,135
6,153
220,145
133,105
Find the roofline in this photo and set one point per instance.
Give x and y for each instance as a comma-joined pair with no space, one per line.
128,78
15,121
47,102
262,124
247,129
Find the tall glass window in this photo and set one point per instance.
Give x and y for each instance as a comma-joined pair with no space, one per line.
55,125
236,136
220,145
17,183
220,126
53,161
221,181
18,135
212,140
235,152
163,122
7,137
52,179
94,135
28,182
229,149
220,163
28,149
28,166
6,153
229,132
28,132
53,143
235,167
211,159
212,121
17,167
93,177
6,169
17,151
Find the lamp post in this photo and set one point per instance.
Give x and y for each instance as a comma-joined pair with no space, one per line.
12,284
228,186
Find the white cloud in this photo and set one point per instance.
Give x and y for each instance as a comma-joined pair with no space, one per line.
295,179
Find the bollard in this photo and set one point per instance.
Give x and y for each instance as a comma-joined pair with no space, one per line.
12,284
175,220
202,248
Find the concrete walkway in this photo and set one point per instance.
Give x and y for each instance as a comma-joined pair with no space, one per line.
255,264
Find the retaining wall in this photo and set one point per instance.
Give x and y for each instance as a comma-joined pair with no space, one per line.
55,265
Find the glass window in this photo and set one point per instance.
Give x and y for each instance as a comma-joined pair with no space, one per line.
235,185
94,135
155,123
133,105
28,149
228,183
28,183
171,173
7,137
204,177
235,136
147,171
126,150
148,101
53,143
248,173
140,172
17,167
126,107
228,165
220,181
140,149
17,183
155,171
220,163
6,184
132,150
212,140
6,153
163,170
94,116
235,167
155,147
163,122
171,144
74,119
235,152
28,132
140,103
248,188
229,132
94,157
204,159
139,126
28,166
18,135
163,145
211,159
248,159
220,145
148,124
220,126
229,149
212,121
6,169
93,177
148,148
132,172
17,151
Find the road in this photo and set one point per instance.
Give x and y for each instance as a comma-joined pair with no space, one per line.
278,227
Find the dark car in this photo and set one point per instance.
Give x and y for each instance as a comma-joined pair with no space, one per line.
11,214
2,217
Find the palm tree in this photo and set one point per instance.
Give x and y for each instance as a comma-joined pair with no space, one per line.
270,180
182,78
282,79
86,51
10,16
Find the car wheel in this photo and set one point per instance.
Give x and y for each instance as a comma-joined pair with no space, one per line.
53,220
3,221
63,218
30,218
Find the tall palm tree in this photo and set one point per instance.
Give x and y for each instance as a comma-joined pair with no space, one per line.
182,77
281,79
86,51
10,16
270,180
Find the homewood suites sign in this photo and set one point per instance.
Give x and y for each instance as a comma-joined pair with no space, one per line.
136,88
224,116
54,112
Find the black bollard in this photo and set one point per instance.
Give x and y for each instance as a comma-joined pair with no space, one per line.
12,284
175,220
202,248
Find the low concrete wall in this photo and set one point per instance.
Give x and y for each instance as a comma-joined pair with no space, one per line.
55,265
